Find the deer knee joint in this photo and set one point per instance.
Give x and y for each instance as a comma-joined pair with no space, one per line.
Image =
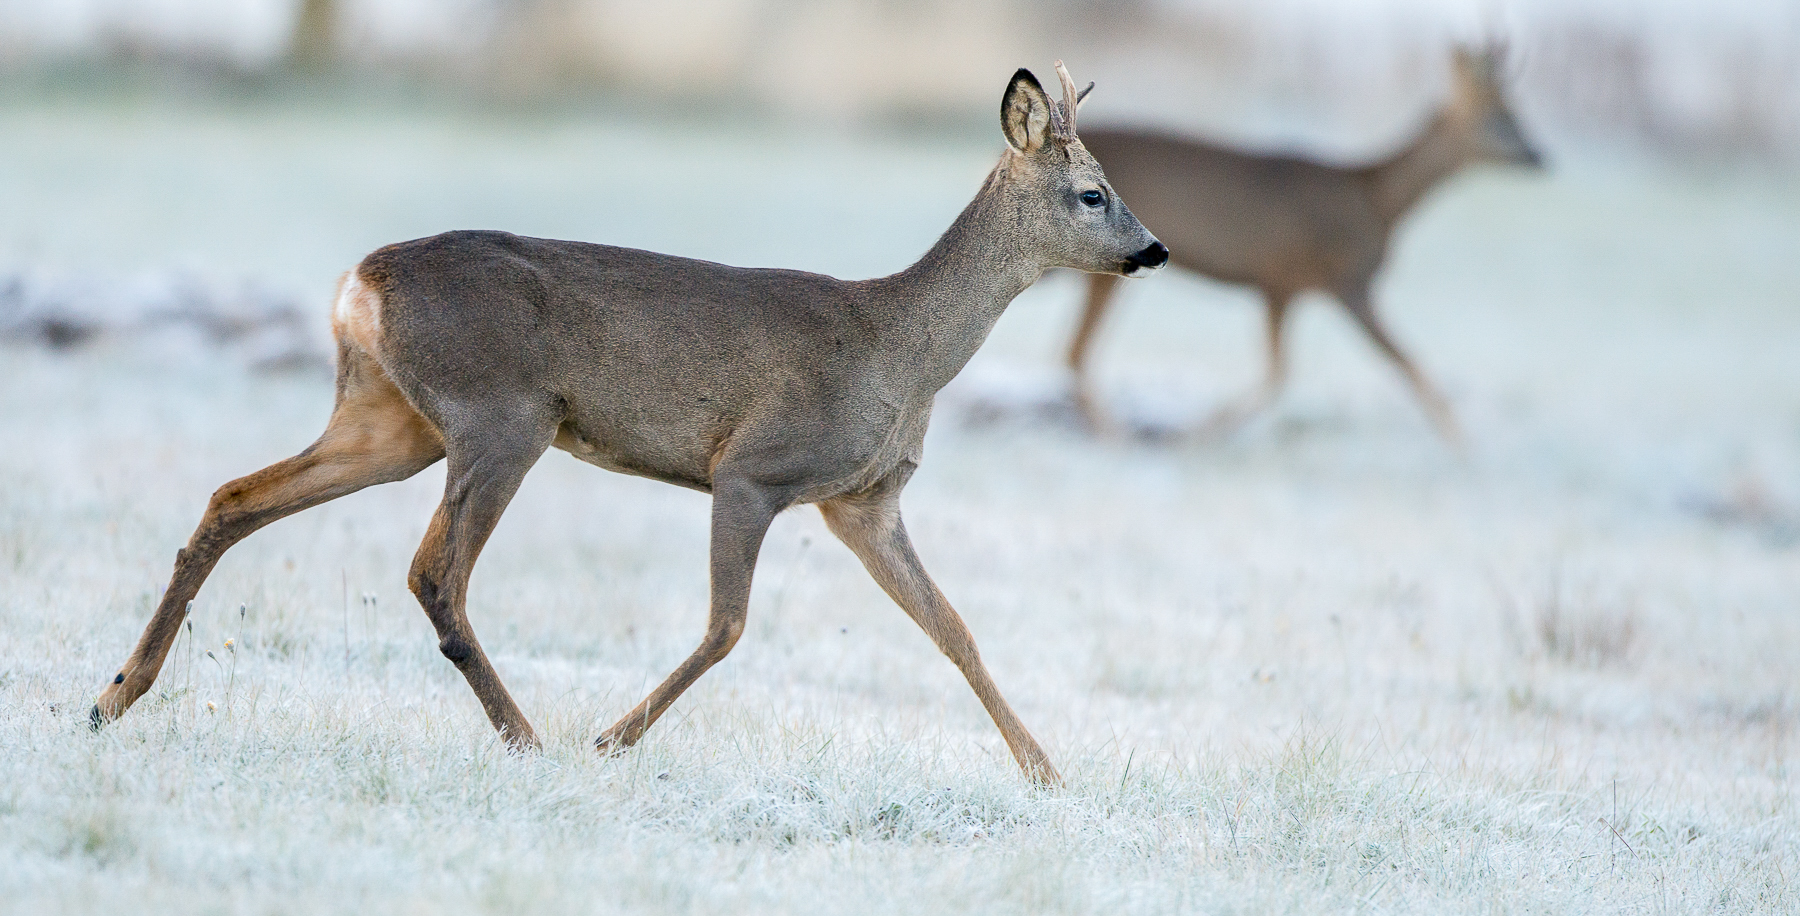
456,649
228,500
223,497
721,637
424,588
727,634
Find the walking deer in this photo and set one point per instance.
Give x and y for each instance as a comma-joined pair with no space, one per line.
765,388
1286,225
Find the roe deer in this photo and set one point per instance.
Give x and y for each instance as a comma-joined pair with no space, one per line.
1286,225
765,388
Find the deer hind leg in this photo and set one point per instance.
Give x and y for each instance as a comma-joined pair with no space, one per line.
1101,288
374,436
870,525
741,513
1231,417
487,462
1356,300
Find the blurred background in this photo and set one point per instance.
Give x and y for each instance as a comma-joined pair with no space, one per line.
1683,77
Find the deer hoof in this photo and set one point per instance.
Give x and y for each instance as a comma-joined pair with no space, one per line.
1044,776
619,739
521,740
108,707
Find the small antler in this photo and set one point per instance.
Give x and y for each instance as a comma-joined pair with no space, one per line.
1062,116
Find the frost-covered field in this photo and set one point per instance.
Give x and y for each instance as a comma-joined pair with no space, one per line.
1325,667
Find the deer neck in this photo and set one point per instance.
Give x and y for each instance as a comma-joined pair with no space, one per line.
1401,180
937,313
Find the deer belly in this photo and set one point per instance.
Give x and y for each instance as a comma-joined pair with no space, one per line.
638,456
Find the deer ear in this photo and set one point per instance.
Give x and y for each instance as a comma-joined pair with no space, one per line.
1025,113
1477,64
1467,58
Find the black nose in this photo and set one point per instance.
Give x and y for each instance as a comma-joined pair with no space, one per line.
1150,258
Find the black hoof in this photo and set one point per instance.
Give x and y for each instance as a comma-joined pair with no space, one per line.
95,720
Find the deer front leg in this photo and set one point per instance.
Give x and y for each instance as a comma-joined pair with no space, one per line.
486,467
1356,300
1101,288
1232,416
870,525
741,514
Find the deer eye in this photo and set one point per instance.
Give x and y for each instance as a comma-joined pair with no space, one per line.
1093,198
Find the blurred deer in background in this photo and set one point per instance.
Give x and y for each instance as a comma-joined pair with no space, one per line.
765,388
1286,225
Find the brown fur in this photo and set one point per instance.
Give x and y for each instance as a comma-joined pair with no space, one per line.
765,388
1286,225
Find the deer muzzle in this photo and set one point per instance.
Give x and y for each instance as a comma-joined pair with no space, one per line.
1155,255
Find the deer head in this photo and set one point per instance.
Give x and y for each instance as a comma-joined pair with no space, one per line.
1480,98
1056,191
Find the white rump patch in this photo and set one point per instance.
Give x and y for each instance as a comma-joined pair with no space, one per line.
356,316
